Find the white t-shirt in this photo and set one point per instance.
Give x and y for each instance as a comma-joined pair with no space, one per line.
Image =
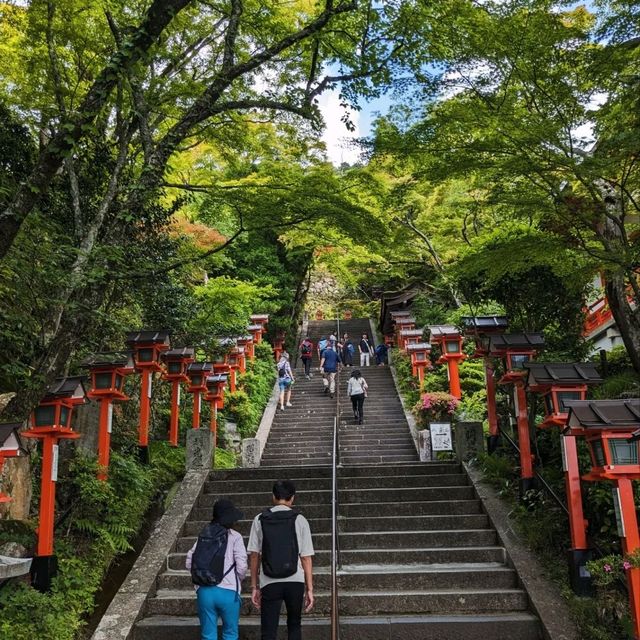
305,546
356,386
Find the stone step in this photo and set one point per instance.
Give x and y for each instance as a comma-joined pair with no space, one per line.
359,482
389,578
379,459
400,510
389,539
431,555
182,602
507,626
369,524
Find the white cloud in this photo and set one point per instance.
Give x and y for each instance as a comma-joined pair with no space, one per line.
337,138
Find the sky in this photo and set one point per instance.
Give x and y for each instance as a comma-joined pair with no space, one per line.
337,138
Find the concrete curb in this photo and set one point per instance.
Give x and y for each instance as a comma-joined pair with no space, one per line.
128,604
544,595
262,434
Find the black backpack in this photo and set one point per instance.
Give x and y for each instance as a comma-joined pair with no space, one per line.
207,562
279,543
306,348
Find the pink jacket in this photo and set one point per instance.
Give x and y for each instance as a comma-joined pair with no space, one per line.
235,553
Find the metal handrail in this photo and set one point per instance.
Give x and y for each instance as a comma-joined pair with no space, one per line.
335,625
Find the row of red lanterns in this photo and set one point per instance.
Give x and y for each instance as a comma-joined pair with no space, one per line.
150,353
611,427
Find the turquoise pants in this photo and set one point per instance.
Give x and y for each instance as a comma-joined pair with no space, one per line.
214,602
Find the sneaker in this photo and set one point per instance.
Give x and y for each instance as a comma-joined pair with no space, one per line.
289,404
331,395
359,420
326,390
281,408
308,377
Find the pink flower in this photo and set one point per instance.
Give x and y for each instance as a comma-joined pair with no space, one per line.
626,565
607,568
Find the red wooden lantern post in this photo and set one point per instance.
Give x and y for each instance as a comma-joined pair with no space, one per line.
449,340
559,383
10,447
420,361
410,336
176,361
247,343
256,331
278,346
403,323
198,373
215,396
516,349
482,328
260,318
51,422
612,431
107,372
147,348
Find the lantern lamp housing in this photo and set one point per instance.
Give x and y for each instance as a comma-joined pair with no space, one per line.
148,347
481,328
197,373
107,372
10,443
55,410
560,383
177,361
609,427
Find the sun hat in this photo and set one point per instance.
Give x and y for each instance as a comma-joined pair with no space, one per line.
225,512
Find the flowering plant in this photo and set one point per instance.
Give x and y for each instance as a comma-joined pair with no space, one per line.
435,406
609,569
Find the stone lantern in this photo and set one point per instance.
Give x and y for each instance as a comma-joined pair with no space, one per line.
515,350
147,348
560,383
10,447
51,422
176,362
420,361
612,431
107,372
481,328
448,338
197,373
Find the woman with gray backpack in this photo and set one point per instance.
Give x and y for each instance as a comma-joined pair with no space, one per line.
357,391
218,564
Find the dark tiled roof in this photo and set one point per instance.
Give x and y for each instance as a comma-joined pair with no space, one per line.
259,316
405,320
217,378
70,387
604,414
480,324
420,346
109,358
517,341
183,352
9,432
550,373
411,332
198,367
441,330
254,327
135,337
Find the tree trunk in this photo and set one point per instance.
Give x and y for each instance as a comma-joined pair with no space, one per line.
627,318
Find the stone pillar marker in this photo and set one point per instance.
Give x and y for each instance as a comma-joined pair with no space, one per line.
251,452
469,440
199,454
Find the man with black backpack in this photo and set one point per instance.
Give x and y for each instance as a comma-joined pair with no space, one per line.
281,552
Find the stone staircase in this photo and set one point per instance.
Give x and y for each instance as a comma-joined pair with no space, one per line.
419,557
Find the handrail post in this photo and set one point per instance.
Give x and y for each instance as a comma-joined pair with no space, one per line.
335,557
